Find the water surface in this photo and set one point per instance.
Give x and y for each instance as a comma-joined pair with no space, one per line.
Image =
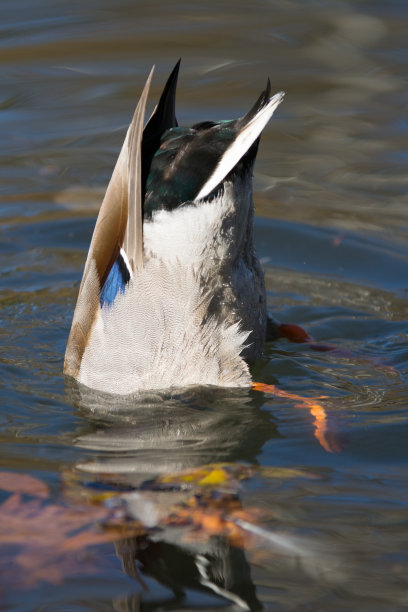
331,229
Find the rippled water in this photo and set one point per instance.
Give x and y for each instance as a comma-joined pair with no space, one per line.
331,228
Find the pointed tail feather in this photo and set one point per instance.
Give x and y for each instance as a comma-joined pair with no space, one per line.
162,119
249,129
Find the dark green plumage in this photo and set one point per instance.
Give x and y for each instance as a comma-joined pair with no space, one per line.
185,160
177,162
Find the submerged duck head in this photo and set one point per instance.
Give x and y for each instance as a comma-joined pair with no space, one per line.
172,252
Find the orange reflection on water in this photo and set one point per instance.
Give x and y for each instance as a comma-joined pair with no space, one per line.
321,432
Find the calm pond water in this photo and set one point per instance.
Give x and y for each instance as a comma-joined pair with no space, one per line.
332,230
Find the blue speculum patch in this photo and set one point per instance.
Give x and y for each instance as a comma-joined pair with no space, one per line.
116,282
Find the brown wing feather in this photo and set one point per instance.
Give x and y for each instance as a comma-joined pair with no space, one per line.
133,243
123,193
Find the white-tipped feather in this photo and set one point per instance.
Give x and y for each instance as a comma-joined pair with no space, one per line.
127,263
240,146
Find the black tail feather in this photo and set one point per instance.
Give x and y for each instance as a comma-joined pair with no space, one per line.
261,102
163,118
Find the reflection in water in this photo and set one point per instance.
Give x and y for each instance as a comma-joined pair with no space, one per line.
157,433
151,434
215,568
136,439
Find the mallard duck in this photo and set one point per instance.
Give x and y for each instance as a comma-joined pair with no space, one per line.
173,292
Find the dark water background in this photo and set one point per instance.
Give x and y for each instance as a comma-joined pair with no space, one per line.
331,196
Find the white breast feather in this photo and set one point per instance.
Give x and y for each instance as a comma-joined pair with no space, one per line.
187,234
